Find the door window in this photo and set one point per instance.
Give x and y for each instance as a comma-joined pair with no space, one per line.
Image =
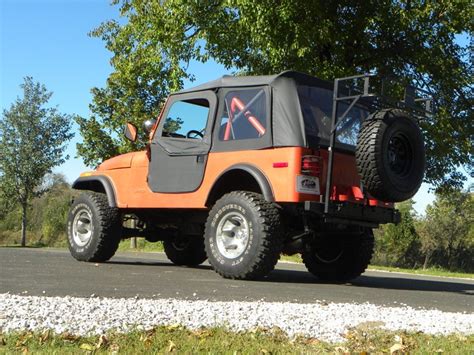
186,119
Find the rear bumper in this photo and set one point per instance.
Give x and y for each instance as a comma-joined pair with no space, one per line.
353,213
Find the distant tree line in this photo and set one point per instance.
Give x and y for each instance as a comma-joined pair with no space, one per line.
443,237
47,215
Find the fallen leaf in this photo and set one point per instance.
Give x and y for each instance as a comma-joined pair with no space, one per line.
395,348
114,348
103,341
171,346
45,336
340,349
87,347
264,351
312,341
69,337
205,333
21,342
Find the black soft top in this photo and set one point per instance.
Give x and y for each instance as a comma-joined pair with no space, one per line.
287,126
227,81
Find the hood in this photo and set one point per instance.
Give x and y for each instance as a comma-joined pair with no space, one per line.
119,162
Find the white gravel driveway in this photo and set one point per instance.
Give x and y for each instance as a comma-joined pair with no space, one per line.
325,321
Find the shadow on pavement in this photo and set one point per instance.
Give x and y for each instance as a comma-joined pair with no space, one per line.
391,283
155,263
304,277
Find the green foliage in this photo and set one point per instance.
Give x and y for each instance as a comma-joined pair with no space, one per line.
154,42
172,125
53,208
11,220
33,139
447,231
444,238
48,215
397,245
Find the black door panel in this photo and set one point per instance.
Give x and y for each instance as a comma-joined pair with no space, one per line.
177,162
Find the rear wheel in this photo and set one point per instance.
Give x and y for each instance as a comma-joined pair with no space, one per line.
94,228
340,257
185,250
243,237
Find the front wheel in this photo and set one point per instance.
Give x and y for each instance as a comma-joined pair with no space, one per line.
340,257
94,228
243,236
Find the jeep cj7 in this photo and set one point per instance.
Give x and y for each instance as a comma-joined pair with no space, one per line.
242,169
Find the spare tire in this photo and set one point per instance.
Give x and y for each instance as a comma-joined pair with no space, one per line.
390,155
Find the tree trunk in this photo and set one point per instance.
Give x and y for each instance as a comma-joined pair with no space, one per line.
133,240
24,206
427,259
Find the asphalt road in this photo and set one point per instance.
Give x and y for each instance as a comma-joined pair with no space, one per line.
53,272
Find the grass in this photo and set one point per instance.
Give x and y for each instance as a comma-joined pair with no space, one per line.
142,246
33,240
433,271
167,339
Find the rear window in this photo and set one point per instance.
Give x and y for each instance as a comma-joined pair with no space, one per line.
316,107
244,115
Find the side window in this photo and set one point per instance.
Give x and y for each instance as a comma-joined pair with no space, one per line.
186,119
245,115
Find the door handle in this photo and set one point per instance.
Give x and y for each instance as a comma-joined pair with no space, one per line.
200,159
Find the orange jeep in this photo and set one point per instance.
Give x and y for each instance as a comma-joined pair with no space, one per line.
242,169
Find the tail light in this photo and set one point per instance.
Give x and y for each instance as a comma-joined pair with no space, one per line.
310,165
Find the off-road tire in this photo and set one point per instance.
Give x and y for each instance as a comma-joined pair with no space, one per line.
105,224
390,155
187,252
265,238
349,256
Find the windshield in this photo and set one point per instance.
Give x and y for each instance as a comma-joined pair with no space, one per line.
316,107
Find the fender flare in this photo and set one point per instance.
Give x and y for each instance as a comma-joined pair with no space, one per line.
256,173
87,182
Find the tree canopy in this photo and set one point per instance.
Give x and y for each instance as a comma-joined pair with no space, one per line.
154,42
449,227
33,139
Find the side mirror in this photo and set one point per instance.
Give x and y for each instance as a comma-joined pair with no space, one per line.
148,125
130,132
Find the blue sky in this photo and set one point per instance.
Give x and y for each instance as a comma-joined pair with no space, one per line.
47,39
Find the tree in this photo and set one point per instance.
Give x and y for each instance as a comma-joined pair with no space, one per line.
32,142
397,244
448,229
414,40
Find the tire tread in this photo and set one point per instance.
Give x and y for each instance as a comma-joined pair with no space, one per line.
271,238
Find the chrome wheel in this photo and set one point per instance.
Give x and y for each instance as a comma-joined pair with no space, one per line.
82,227
232,235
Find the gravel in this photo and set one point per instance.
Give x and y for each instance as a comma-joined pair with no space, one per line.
322,320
